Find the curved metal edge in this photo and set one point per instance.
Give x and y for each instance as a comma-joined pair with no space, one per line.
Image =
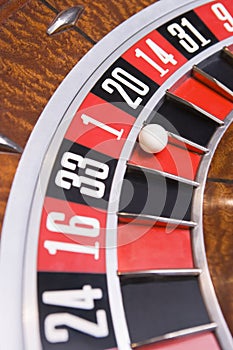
206,285
14,233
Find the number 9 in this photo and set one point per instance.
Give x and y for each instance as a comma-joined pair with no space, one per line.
222,13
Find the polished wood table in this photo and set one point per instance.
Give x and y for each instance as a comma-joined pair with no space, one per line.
33,64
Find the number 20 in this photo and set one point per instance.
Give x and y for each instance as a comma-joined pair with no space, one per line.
128,80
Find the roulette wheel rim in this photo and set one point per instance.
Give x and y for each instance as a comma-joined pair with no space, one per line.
89,71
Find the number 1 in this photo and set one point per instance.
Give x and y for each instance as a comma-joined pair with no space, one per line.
86,120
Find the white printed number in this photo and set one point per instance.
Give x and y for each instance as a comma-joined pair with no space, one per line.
223,15
79,299
125,78
186,41
78,226
160,53
86,120
89,186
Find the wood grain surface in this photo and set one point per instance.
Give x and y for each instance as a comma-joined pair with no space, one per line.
218,224
222,164
32,65
100,17
218,228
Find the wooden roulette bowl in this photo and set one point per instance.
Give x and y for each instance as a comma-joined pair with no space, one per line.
33,66
217,216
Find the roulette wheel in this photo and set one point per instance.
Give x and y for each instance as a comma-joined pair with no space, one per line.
103,243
